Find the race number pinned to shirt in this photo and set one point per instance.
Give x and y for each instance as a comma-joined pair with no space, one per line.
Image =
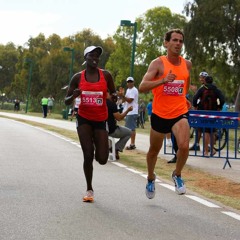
91,98
174,88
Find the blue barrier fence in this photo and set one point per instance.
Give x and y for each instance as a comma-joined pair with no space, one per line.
224,126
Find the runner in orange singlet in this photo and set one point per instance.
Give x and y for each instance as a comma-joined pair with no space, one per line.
91,85
169,78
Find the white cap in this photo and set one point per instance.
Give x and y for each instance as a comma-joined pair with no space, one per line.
91,48
130,79
203,74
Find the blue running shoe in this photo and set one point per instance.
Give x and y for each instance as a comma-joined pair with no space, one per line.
179,184
150,188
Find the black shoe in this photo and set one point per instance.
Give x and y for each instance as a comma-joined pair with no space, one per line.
194,148
131,147
174,160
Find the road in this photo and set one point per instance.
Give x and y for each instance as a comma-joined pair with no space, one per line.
41,189
213,166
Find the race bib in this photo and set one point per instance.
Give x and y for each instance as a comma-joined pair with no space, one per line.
174,88
91,98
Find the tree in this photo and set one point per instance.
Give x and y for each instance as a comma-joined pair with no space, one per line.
213,40
151,28
8,60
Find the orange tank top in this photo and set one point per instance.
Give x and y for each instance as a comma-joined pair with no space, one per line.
169,99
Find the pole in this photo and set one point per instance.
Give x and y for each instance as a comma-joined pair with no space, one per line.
68,49
133,48
29,85
70,74
72,62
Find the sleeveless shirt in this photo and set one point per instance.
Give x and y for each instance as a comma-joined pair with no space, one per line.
169,99
93,98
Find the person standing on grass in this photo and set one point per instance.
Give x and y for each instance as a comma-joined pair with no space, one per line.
169,78
50,104
91,85
149,110
76,104
44,103
130,99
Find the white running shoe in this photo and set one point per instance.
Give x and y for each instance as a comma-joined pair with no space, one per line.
179,184
150,188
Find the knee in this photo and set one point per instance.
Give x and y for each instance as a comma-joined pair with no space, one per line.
153,152
102,158
183,147
102,161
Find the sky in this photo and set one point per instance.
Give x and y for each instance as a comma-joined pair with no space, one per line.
22,19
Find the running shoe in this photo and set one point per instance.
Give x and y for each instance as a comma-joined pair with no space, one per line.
194,147
89,197
179,184
131,147
173,160
150,188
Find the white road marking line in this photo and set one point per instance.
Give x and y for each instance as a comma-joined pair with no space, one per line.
232,214
167,186
119,164
197,199
202,201
134,171
144,175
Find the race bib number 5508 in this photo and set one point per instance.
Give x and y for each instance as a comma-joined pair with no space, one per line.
91,98
174,88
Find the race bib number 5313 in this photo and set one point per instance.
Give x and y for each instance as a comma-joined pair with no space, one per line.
91,98
174,88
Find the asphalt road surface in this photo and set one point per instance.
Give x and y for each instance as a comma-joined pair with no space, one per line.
42,185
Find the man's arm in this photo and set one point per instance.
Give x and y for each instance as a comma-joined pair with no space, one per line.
120,116
155,70
126,99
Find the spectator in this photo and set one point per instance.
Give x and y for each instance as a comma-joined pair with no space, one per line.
44,102
16,105
76,104
115,130
142,111
207,98
196,146
130,99
50,104
149,110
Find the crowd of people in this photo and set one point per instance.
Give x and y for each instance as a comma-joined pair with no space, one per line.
98,107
